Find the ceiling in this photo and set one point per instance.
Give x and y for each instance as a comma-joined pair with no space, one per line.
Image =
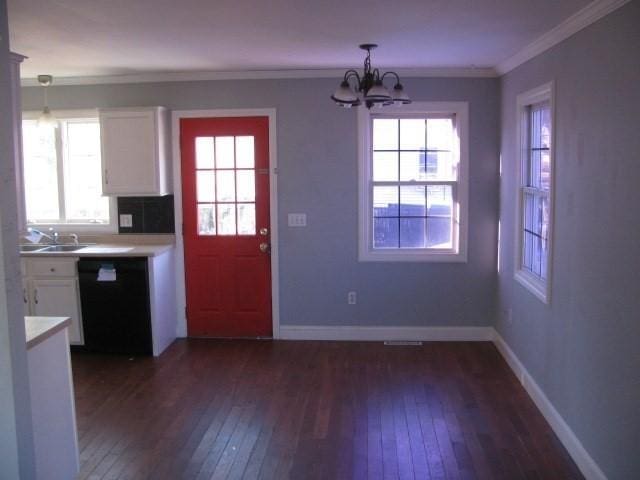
76,38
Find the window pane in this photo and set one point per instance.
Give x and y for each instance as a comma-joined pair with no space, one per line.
385,134
385,201
83,138
440,166
412,166
83,174
206,220
439,201
206,183
439,232
440,134
224,152
245,152
545,127
412,202
534,169
545,170
385,166
535,127
246,219
40,172
246,185
440,213
412,232
225,186
527,251
385,232
226,219
412,134
544,218
537,255
204,152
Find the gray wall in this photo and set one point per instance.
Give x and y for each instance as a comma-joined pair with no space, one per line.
16,438
317,159
584,348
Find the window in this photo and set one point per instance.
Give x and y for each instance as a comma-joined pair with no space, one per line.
62,173
413,183
535,190
226,185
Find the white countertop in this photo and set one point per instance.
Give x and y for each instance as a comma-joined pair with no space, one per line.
38,329
108,250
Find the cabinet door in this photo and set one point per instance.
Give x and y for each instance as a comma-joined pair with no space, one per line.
129,152
58,298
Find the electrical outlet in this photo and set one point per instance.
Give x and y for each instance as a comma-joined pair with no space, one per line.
126,220
297,219
352,298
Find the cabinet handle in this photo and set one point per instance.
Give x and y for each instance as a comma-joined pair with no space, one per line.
35,296
24,295
106,176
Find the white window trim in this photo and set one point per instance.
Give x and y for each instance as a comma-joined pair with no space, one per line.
541,289
71,227
366,252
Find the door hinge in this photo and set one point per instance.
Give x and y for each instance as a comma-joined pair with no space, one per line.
183,229
185,313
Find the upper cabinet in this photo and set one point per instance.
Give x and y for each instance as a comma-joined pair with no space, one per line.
135,156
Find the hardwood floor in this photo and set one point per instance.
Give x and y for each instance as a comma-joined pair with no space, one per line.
311,410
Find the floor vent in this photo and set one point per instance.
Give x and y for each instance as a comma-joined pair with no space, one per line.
396,343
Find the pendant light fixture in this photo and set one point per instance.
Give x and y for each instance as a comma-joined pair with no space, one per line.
46,118
369,87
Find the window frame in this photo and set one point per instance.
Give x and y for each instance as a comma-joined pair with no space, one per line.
67,226
539,287
366,251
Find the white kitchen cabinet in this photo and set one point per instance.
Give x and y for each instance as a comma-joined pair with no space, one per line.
135,157
51,289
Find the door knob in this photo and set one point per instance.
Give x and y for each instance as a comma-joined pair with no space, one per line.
264,231
264,247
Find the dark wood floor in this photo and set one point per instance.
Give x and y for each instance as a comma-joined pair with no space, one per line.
311,410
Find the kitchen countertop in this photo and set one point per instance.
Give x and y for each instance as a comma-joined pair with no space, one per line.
38,329
107,250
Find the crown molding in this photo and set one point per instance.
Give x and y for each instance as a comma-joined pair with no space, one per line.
576,22
482,72
17,58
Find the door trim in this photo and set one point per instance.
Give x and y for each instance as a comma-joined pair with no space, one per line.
176,116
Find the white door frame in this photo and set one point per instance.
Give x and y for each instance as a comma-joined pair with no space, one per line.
176,116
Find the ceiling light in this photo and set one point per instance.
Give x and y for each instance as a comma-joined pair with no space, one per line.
46,118
369,87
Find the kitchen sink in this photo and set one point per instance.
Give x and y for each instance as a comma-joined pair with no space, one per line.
63,248
32,248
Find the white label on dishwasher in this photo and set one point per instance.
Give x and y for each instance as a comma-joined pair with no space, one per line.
107,274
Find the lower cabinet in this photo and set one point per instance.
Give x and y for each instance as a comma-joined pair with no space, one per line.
51,289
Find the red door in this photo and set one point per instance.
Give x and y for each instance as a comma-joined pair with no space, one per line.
225,204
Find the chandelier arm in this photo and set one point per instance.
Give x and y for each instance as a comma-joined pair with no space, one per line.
351,73
391,73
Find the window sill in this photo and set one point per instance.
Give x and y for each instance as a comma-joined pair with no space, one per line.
532,283
412,255
76,227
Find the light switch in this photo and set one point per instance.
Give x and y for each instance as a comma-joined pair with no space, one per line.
297,219
126,220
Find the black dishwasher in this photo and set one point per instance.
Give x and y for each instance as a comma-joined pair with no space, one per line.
114,294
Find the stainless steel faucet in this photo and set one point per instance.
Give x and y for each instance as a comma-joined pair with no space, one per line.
53,236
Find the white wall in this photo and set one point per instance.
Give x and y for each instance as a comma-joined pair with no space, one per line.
583,349
16,438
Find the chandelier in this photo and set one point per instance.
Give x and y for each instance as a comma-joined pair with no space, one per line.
369,87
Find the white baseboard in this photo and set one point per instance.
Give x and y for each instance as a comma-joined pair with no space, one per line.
583,460
356,333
